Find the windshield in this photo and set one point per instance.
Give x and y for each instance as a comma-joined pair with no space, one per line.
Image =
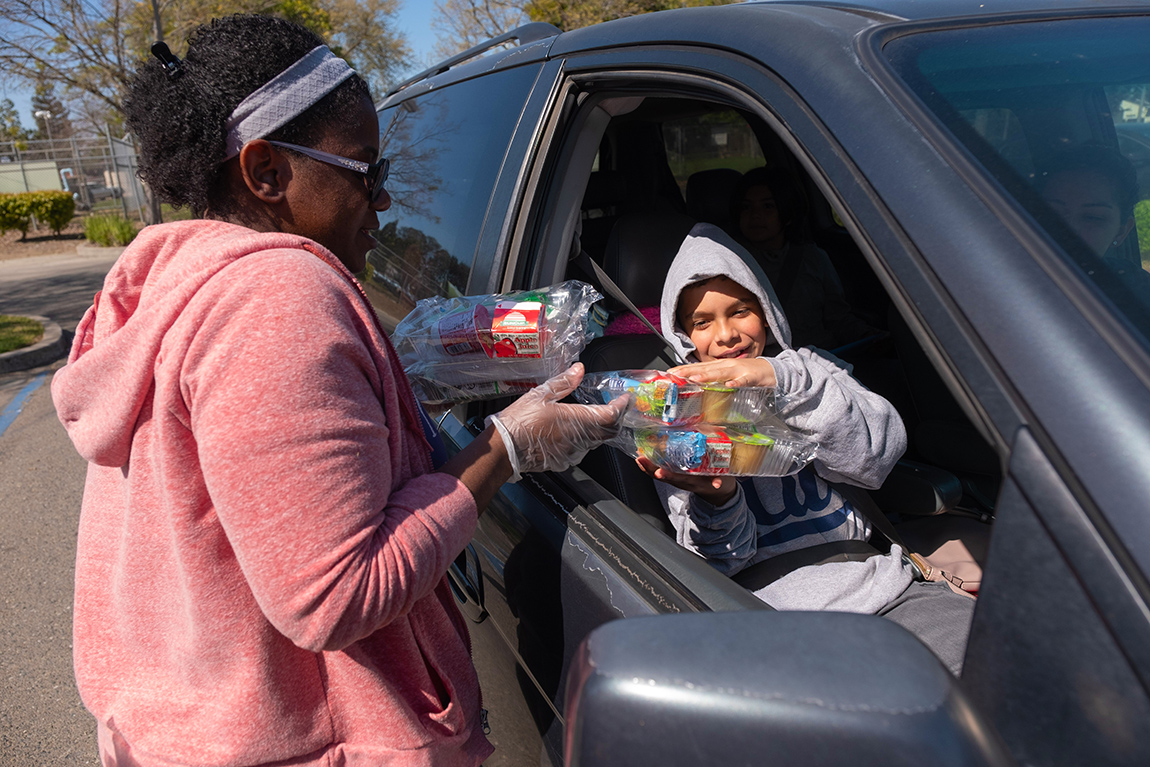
1059,113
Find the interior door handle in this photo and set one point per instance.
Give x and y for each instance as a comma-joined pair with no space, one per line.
466,579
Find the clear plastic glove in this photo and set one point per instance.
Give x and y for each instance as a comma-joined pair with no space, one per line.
543,434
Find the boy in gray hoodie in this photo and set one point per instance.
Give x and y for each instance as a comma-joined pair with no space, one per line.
718,308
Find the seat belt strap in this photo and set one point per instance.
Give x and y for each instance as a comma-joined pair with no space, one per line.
861,500
615,292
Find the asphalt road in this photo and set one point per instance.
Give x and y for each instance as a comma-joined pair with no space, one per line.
42,722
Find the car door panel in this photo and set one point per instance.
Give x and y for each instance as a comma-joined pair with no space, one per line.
1047,661
553,569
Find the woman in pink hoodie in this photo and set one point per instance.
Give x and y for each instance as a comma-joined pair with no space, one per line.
264,534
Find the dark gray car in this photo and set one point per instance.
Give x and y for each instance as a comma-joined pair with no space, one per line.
927,137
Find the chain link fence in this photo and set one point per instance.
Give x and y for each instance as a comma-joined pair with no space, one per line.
100,172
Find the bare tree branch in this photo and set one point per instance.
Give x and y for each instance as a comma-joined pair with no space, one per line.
460,24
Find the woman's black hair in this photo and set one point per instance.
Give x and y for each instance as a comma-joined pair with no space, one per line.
179,121
789,199
1103,160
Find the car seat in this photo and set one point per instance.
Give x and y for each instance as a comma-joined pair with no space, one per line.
638,254
602,205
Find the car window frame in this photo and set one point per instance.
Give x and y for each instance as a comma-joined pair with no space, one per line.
695,71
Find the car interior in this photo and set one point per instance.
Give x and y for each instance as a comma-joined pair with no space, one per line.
654,166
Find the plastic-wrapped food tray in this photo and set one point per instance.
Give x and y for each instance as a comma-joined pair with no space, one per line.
481,347
717,450
659,398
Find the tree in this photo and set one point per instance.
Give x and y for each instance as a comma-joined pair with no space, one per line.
574,14
90,48
51,115
362,31
460,24
10,128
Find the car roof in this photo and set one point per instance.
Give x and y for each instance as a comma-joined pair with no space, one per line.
720,26
924,10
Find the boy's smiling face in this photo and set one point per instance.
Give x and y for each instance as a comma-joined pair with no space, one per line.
723,320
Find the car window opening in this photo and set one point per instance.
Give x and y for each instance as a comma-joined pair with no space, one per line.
666,163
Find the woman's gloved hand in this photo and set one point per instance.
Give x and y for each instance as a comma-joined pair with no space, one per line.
543,434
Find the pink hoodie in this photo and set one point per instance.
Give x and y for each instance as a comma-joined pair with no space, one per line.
260,572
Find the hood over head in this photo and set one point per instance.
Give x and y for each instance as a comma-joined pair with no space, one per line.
710,252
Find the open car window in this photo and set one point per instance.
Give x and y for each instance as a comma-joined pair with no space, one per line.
1058,113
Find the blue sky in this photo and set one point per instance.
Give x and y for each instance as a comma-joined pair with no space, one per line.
414,19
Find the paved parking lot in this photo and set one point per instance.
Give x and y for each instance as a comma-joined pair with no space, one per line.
42,722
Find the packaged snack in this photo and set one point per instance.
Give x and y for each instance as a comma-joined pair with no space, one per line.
662,398
737,405
481,347
716,450
687,451
658,397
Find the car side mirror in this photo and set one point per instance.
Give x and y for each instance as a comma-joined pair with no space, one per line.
768,687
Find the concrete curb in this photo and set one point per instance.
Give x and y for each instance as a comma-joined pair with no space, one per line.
98,250
50,348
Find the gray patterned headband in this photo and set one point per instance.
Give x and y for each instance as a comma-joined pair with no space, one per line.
285,97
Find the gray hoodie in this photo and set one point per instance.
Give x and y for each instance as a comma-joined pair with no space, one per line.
860,437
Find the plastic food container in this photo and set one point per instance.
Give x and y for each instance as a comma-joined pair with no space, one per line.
481,347
659,398
717,450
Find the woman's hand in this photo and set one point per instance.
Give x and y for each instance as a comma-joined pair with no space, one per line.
756,371
714,490
547,435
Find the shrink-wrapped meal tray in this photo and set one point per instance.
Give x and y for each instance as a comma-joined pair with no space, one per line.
660,398
720,450
481,347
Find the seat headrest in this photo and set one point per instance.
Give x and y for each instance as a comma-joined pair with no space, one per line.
605,188
640,250
709,196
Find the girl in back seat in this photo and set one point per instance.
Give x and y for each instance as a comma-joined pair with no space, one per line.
769,212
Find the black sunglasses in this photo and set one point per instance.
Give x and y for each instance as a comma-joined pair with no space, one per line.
374,175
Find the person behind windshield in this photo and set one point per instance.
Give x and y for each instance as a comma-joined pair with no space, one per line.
1093,189
769,212
269,514
718,311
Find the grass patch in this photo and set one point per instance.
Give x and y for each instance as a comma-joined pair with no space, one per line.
18,332
109,230
175,214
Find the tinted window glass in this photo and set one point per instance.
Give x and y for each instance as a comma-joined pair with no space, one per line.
1058,113
710,140
446,149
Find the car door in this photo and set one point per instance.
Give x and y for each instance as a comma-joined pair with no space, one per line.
989,316
1058,652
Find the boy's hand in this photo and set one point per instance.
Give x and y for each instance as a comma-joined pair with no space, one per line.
714,490
755,371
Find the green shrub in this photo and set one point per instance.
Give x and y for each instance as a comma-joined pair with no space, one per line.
15,213
109,230
52,208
